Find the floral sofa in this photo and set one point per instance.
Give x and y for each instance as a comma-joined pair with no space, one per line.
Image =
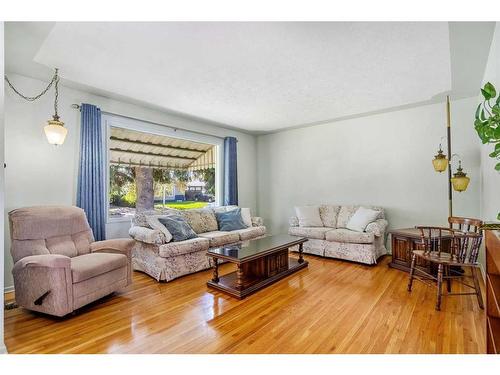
334,240
165,261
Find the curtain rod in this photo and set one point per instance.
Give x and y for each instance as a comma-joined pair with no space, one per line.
78,106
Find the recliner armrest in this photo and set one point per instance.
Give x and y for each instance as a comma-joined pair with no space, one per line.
377,227
44,260
118,245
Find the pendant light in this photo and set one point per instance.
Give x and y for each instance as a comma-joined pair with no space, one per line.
54,130
460,181
440,161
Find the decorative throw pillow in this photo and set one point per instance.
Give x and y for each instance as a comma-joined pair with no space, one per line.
230,220
178,227
154,223
308,216
361,218
328,214
201,220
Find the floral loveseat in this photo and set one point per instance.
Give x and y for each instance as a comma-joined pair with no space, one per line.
165,261
334,240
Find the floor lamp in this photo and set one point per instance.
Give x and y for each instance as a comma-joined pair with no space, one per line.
459,181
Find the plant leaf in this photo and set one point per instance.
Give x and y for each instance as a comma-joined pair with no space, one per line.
490,89
478,110
496,109
482,117
497,167
486,95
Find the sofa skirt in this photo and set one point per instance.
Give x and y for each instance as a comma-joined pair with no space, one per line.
360,253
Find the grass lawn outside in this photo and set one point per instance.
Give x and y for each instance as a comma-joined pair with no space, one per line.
187,205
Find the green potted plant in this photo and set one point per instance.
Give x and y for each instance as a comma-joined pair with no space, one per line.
487,123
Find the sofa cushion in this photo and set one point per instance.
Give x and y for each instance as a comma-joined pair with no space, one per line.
309,232
308,216
201,220
219,238
230,220
329,214
349,236
178,227
86,266
249,233
346,212
361,218
193,245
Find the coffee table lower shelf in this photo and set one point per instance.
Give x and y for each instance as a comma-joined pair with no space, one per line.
228,283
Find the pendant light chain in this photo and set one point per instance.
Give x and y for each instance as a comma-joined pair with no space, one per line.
56,99
55,80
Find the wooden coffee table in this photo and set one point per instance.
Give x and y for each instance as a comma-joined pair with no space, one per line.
260,263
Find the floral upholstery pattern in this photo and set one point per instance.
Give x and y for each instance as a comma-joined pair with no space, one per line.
293,221
219,238
250,233
363,247
377,227
140,218
145,259
168,261
329,214
147,235
201,220
309,232
173,249
349,236
346,213
312,246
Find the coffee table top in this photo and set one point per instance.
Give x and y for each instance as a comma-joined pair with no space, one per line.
251,249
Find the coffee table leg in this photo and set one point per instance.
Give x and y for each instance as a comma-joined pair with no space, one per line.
215,277
239,277
301,258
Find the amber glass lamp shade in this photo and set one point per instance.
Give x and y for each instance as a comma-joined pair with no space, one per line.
55,131
440,161
460,181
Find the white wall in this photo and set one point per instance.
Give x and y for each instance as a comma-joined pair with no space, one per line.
490,187
2,345
383,160
37,173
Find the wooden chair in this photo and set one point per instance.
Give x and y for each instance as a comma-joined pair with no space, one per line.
448,249
465,224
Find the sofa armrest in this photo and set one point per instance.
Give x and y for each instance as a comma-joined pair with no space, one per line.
377,227
293,221
257,221
44,283
116,246
147,235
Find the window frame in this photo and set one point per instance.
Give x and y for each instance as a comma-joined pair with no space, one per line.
110,120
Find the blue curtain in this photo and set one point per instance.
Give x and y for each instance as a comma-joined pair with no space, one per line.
230,171
91,187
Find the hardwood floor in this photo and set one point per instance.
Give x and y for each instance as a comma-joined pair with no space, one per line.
331,307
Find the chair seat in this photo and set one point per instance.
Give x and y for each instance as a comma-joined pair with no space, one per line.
87,266
443,258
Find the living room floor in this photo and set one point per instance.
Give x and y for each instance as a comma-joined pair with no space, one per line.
331,307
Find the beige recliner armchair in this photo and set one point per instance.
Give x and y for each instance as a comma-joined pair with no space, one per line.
58,266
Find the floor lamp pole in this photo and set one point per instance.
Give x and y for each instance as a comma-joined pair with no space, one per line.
448,132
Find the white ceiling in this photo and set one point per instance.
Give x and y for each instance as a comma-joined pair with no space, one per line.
258,77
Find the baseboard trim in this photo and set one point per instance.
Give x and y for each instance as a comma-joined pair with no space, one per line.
3,349
8,289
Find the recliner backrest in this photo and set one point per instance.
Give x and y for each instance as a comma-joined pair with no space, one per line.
40,230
